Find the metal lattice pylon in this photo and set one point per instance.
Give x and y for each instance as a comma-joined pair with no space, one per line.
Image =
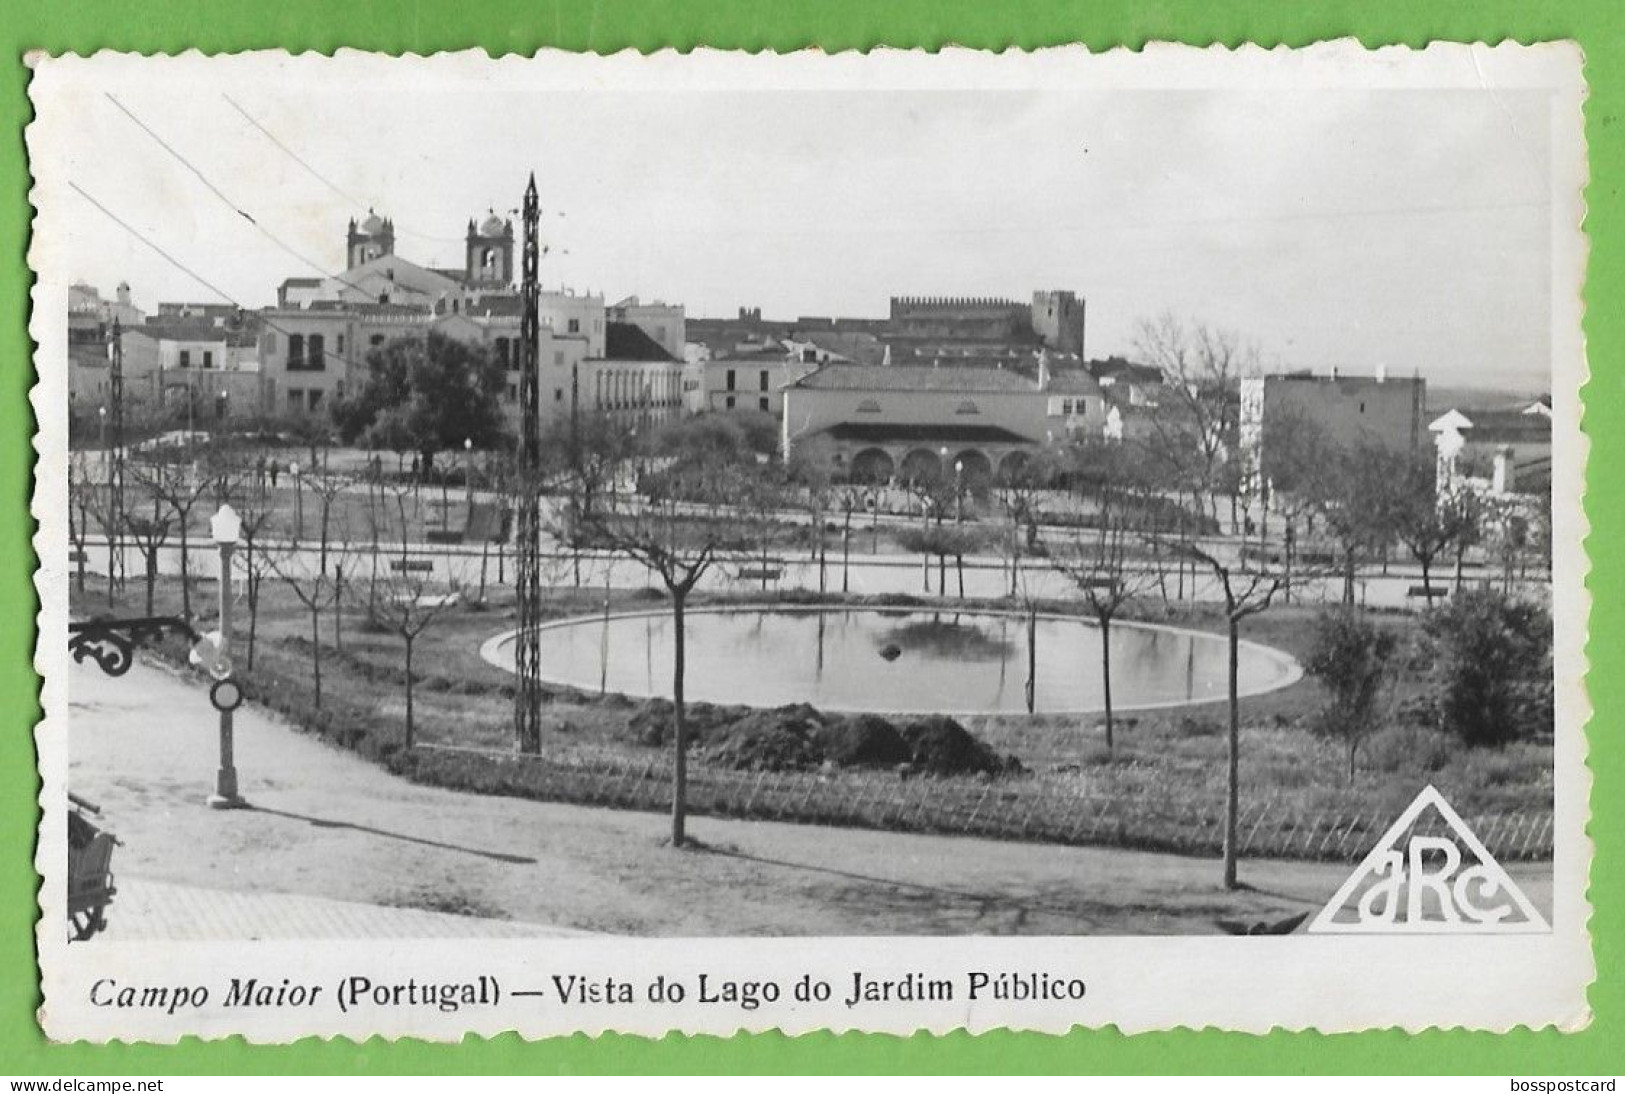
527,715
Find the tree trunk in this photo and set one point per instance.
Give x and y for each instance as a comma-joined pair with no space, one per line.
186,575
338,608
1032,659
679,727
253,613
959,567
410,722
1106,675
1232,796
316,651
1427,594
152,575
1348,576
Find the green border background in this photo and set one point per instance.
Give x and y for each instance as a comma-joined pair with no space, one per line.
502,26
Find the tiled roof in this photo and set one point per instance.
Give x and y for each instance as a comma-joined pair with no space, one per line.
628,342
1072,382
302,283
913,378
1507,427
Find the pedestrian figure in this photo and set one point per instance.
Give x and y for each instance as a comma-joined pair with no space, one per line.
259,471
276,469
416,467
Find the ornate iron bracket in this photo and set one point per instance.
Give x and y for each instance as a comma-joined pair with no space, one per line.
112,642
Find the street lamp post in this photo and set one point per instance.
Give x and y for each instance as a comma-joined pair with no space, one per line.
468,475
298,503
225,526
959,491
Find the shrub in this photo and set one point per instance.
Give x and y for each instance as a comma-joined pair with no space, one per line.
1350,658
1492,668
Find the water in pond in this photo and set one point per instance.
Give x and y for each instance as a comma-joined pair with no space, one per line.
903,661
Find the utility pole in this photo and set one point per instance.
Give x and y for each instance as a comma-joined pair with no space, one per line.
527,643
115,471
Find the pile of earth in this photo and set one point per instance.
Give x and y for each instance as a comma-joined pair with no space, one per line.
799,737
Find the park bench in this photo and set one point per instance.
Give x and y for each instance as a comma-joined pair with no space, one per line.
1430,592
412,566
760,573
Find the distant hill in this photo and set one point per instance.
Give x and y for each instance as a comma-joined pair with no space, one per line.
1443,397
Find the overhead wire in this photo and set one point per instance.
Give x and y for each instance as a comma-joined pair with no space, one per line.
227,201
193,274
321,178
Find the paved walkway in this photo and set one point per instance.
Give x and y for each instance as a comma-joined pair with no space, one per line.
146,910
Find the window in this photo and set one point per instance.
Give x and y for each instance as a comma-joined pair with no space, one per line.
763,386
296,353
208,358
186,358
341,344
558,395
729,384
501,347
574,326
513,393
296,399
315,359
763,403
868,406
809,356
1362,408
315,398
728,403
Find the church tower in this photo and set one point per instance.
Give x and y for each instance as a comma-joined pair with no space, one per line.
373,238
489,259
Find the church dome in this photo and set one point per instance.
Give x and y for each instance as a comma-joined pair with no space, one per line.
492,227
373,225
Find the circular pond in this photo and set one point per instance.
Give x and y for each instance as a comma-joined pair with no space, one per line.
902,661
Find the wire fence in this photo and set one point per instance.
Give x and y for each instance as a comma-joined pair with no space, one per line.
1033,808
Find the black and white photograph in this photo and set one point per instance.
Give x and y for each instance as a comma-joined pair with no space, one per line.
885,542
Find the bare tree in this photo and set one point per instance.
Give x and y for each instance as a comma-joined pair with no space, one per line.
1102,562
681,528
180,480
410,602
316,590
1194,425
1017,490
1248,588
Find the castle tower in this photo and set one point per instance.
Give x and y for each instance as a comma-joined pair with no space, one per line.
1058,320
373,238
489,256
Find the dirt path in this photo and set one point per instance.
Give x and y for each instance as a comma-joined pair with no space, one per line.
328,824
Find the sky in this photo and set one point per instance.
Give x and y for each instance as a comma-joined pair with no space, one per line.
1409,228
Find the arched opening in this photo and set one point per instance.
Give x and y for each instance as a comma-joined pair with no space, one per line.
873,465
921,465
1014,466
974,469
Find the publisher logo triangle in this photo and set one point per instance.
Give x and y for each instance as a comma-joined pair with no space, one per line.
1429,874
